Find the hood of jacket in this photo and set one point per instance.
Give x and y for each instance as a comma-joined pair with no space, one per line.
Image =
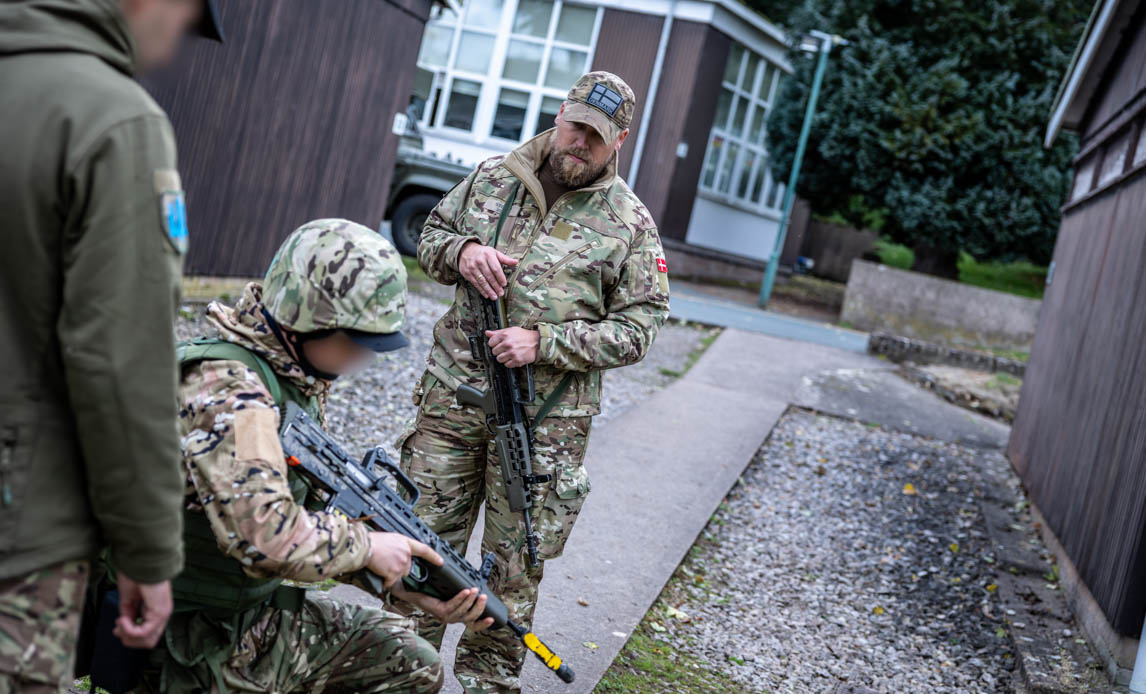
244,325
94,27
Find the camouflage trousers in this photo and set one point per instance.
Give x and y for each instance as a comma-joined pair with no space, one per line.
327,646
449,454
39,622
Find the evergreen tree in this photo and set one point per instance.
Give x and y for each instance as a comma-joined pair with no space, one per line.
934,117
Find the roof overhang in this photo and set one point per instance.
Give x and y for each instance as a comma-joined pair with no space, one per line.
1092,56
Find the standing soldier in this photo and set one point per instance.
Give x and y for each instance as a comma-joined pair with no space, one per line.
333,296
93,225
579,266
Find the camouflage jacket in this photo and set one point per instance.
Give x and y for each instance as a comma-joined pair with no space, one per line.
234,464
591,278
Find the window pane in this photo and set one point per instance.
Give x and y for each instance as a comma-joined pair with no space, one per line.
726,169
435,45
723,105
576,24
509,118
485,14
1140,150
750,73
523,61
766,83
532,18
775,193
758,184
549,108
746,166
423,81
565,66
1114,161
1082,178
756,132
732,69
474,51
463,104
713,159
739,116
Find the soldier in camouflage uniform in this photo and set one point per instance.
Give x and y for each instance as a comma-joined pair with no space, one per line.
587,290
334,294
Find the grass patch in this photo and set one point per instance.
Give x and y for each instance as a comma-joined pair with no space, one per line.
1016,354
1020,278
1003,378
413,271
649,665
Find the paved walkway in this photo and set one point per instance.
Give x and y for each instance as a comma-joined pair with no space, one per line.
701,308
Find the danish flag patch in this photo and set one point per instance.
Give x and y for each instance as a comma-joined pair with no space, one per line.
662,265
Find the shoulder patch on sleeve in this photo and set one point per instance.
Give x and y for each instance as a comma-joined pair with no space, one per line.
172,209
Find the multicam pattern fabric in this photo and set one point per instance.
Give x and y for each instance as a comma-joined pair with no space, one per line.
235,468
588,280
333,273
39,622
327,646
452,459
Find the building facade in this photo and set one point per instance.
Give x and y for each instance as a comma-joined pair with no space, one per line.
495,73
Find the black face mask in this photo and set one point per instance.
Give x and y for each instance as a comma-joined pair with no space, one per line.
294,341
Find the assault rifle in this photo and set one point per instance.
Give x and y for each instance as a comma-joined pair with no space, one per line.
358,491
503,403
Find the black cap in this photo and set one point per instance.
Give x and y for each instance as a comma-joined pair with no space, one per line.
378,342
209,25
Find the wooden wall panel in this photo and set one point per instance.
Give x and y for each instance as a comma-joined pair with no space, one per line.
1125,78
289,120
627,47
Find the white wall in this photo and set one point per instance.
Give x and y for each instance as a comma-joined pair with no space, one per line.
732,230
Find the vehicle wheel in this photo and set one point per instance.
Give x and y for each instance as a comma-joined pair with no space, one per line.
408,219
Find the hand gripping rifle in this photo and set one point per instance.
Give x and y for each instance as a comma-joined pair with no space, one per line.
504,406
358,491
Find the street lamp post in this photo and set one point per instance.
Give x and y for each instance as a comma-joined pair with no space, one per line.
823,47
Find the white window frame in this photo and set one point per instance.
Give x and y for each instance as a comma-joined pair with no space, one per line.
492,81
771,190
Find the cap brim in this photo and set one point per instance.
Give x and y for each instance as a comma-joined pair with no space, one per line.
379,342
577,112
209,25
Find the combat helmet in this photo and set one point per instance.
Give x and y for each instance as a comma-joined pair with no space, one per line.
333,274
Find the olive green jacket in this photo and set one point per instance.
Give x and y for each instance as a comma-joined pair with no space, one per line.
89,281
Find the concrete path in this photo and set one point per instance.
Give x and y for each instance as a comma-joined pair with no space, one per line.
700,308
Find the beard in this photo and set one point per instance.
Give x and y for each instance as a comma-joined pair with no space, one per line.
574,174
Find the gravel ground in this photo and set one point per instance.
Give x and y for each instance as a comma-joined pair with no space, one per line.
373,406
822,565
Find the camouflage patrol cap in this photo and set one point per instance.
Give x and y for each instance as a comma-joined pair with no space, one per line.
602,100
335,274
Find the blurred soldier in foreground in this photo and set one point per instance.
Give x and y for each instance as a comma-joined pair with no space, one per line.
93,228
554,234
334,295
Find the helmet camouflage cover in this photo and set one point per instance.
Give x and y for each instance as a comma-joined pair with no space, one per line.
335,274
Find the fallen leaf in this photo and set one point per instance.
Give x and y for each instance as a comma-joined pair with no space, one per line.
991,587
674,613
590,645
954,546
582,602
909,489
877,610
657,627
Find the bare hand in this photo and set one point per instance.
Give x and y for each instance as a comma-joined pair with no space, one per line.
464,608
514,347
150,604
391,555
481,266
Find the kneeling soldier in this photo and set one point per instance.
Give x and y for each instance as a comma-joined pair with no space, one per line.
334,295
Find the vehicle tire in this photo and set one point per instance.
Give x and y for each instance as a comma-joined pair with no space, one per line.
408,219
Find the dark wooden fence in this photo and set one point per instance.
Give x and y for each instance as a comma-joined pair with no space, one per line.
1079,438
289,120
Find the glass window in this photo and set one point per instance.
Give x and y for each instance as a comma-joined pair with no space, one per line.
484,14
1082,178
762,173
738,117
1140,150
509,119
774,197
723,106
726,167
713,160
436,45
732,69
565,66
576,24
474,51
463,104
749,80
766,82
747,164
549,107
757,131
1114,161
532,18
423,83
523,61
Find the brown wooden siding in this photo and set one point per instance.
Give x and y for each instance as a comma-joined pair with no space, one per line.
289,120
1079,438
627,47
